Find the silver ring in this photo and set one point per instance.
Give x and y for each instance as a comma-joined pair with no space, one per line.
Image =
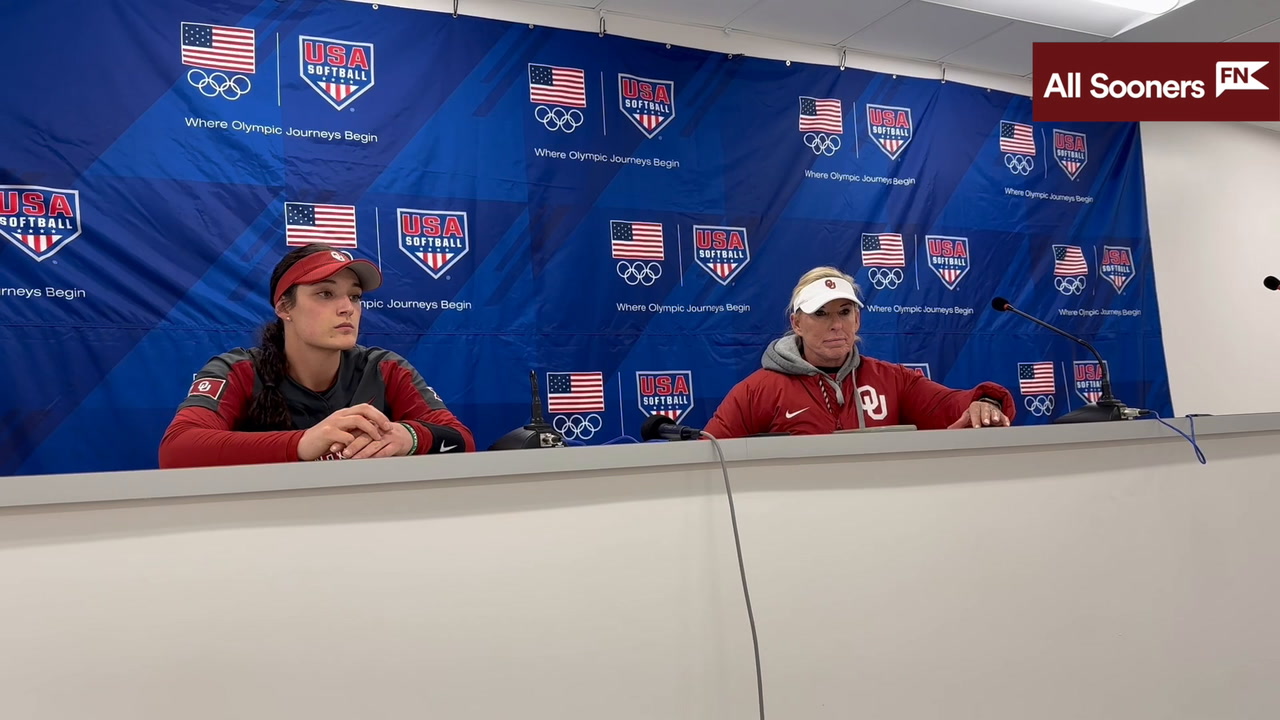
577,427
558,118
882,278
1019,164
822,143
1070,285
216,83
1039,405
639,272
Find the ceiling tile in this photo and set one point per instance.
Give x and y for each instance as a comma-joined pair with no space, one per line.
925,31
716,13
1008,50
572,3
1267,33
1206,21
818,21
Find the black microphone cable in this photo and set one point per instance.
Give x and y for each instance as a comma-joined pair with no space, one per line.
742,572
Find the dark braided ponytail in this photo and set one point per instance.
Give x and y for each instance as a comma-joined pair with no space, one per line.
268,409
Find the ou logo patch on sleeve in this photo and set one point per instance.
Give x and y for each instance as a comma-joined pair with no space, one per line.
208,387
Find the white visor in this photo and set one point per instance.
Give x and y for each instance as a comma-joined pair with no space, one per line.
822,291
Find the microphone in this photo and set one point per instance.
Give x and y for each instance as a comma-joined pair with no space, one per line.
1108,407
1271,282
661,427
537,434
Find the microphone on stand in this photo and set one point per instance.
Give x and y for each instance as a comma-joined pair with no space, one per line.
1271,282
537,434
661,427
1108,407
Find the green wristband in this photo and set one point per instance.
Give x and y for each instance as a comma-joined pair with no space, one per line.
413,434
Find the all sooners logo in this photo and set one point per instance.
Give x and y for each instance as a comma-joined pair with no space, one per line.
208,387
721,251
668,392
949,258
1071,151
434,239
339,70
650,104
922,368
890,127
1116,266
39,220
1088,380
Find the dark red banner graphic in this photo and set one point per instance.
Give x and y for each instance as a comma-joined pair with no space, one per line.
1155,81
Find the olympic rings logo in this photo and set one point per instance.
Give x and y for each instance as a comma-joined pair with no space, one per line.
822,143
577,427
215,84
1039,405
882,278
639,273
1019,164
1069,285
558,118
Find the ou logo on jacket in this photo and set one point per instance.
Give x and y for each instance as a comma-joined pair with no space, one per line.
875,405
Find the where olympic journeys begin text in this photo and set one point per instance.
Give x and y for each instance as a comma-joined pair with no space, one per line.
1034,195
593,157
1099,311
393,304
658,308
274,130
912,309
846,177
46,293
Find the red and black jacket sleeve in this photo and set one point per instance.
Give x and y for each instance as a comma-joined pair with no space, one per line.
201,433
412,401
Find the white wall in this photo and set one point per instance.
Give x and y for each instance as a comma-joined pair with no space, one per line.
707,38
1213,203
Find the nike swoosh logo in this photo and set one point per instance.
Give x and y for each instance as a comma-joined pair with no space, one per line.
793,414
447,448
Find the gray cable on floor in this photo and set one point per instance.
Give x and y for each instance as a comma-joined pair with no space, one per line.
742,573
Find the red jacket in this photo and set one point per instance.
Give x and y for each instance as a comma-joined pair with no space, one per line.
771,401
210,426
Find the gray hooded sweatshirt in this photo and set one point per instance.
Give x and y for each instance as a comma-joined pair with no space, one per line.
783,355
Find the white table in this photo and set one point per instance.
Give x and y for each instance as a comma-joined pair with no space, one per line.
1053,572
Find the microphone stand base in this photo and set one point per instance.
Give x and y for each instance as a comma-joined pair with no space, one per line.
533,435
1101,411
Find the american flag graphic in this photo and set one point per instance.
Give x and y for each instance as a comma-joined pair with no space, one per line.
339,91
882,250
1036,378
40,243
575,392
821,115
1017,138
435,259
306,223
1068,261
557,86
636,240
218,47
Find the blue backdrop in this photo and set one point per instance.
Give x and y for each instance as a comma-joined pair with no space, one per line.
626,218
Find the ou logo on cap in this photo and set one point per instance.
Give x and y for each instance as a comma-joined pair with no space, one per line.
831,284
339,256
